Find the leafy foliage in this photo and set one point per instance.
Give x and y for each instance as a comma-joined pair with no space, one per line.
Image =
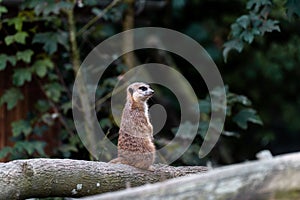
20,127
293,8
17,22
53,91
38,52
24,145
19,37
242,114
47,7
4,59
247,27
21,75
11,97
245,116
2,9
41,66
25,56
51,40
238,111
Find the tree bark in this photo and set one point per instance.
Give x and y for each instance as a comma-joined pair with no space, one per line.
129,59
23,179
276,178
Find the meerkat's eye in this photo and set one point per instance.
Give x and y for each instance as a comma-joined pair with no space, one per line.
143,88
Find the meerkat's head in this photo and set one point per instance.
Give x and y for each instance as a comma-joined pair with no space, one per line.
139,92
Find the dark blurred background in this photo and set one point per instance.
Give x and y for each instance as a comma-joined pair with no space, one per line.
254,43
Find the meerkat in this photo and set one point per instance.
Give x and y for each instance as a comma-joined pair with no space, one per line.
135,142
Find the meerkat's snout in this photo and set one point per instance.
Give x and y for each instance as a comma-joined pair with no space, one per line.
149,92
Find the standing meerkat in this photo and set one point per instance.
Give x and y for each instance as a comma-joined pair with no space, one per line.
135,146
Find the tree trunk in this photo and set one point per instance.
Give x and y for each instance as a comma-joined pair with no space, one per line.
276,178
129,59
22,179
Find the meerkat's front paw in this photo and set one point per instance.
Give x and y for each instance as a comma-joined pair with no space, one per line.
151,168
115,161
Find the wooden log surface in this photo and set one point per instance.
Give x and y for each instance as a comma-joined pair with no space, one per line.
23,179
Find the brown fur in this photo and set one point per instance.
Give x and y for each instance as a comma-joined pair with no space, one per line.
135,146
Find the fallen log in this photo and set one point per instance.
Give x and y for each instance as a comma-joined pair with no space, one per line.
21,179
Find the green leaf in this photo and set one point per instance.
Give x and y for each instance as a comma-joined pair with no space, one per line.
30,4
50,6
256,20
12,60
41,66
234,44
19,37
247,36
235,98
236,30
30,147
3,61
20,76
269,26
5,151
51,39
17,21
257,4
66,107
53,91
3,10
41,71
21,126
245,116
39,147
9,39
20,145
63,38
11,98
292,8
243,21
255,31
25,55
42,106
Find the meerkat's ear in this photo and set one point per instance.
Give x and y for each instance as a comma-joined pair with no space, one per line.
130,91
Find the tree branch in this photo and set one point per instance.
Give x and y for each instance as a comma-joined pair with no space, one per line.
23,179
84,104
99,16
